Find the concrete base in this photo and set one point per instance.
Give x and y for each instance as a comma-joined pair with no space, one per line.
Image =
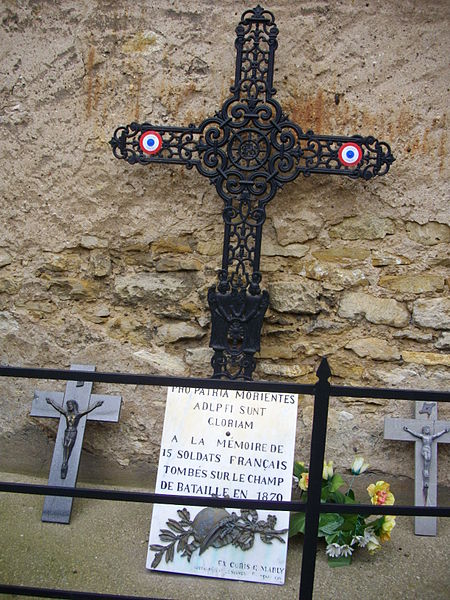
104,550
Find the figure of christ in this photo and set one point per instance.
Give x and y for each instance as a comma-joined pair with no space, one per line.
426,452
72,416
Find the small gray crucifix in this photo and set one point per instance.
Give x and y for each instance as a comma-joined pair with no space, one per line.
73,408
426,431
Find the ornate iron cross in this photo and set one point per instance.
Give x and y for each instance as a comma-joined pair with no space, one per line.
249,149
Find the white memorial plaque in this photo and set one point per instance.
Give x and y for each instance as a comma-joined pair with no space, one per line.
236,444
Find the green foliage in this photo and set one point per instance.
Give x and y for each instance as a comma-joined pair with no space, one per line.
342,531
296,523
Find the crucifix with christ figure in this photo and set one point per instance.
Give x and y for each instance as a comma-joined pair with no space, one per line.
248,150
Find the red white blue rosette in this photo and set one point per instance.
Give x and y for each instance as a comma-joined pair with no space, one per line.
350,154
150,142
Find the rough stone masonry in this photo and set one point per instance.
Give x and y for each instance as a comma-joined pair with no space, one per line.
106,264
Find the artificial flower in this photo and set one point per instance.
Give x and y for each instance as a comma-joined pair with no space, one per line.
359,466
373,544
344,534
346,550
363,540
336,550
327,472
379,493
333,550
386,528
303,483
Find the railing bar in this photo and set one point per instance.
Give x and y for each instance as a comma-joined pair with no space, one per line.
152,498
269,386
155,380
389,394
56,593
317,454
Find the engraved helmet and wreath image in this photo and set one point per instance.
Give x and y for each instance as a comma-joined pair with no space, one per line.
213,527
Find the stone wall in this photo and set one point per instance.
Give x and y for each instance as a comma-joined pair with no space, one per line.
105,263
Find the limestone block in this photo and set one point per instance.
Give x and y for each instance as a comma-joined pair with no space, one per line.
276,349
268,248
211,247
172,332
91,241
432,312
170,245
156,289
343,255
295,295
426,358
71,287
5,258
334,277
199,359
293,230
169,262
101,263
284,371
443,342
9,285
374,348
386,311
413,284
8,323
59,263
416,335
429,234
384,259
366,227
161,362
102,311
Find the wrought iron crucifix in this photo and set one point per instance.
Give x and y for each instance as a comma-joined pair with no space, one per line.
249,149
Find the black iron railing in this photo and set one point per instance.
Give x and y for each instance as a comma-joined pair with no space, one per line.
322,391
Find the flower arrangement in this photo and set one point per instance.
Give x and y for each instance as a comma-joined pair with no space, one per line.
344,533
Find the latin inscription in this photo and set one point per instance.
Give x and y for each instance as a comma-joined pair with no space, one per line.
235,444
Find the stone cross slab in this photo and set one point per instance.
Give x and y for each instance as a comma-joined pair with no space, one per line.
426,431
73,407
248,150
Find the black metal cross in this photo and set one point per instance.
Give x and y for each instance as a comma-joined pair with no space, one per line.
249,149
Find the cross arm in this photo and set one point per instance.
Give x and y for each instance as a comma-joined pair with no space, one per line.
146,143
394,429
354,156
109,410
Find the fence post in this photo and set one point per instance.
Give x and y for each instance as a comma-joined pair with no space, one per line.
318,441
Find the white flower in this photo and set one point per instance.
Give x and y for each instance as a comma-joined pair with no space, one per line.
359,466
333,550
346,550
363,540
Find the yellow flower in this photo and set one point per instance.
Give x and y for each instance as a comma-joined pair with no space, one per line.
373,544
387,527
327,472
303,483
359,466
379,493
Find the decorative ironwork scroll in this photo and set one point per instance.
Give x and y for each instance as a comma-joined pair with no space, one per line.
249,149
